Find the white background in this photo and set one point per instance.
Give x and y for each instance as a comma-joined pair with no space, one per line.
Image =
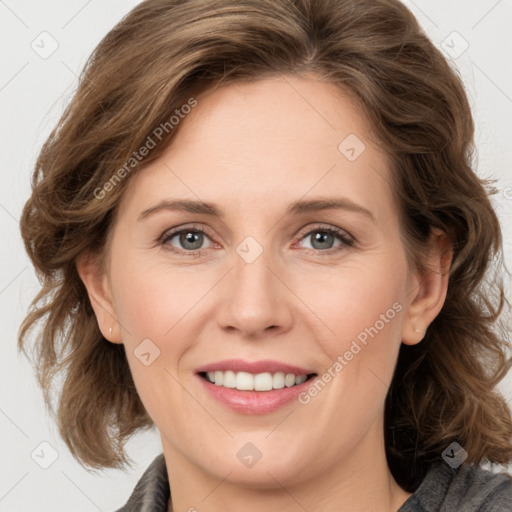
33,92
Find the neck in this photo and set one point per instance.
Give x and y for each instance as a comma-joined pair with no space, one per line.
360,482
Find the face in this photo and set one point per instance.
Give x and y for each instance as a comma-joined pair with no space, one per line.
263,281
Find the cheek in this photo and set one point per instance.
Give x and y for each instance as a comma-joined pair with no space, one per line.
363,311
357,300
151,301
154,308
158,307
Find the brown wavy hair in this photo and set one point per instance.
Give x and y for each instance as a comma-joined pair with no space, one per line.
148,66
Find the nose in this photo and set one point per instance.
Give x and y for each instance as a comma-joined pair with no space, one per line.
255,302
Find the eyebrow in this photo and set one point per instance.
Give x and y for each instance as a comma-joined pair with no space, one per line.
296,208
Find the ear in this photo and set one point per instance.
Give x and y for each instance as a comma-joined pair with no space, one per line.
428,289
98,289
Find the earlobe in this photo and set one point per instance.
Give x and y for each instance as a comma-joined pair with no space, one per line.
98,290
428,290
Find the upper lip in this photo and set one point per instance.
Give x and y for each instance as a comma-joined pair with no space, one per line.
255,367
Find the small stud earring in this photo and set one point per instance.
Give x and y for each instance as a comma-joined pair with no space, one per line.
420,331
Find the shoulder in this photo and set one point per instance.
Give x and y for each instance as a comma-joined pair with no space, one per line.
466,488
152,492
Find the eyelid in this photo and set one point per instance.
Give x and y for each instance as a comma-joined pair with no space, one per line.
172,232
344,236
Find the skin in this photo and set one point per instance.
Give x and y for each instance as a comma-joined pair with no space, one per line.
253,149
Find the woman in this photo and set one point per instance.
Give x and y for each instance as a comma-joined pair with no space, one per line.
258,228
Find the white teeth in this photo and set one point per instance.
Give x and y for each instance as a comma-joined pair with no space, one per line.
300,379
245,381
289,380
219,378
263,382
278,380
229,380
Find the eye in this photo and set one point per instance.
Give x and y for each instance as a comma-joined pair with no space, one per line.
188,239
323,239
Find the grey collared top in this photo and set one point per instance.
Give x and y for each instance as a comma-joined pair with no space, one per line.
444,489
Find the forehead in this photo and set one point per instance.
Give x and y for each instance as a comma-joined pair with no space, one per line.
254,145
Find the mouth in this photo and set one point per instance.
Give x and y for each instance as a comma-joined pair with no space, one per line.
258,387
245,381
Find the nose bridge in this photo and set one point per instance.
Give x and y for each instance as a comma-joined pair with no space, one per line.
254,298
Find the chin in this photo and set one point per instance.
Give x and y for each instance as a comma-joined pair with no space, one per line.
260,463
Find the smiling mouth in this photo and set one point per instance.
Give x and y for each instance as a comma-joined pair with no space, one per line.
244,381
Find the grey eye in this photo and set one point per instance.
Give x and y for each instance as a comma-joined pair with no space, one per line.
188,239
191,240
321,240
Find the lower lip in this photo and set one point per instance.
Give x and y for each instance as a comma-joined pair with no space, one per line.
254,402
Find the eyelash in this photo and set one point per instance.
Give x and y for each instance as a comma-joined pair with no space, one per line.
341,235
